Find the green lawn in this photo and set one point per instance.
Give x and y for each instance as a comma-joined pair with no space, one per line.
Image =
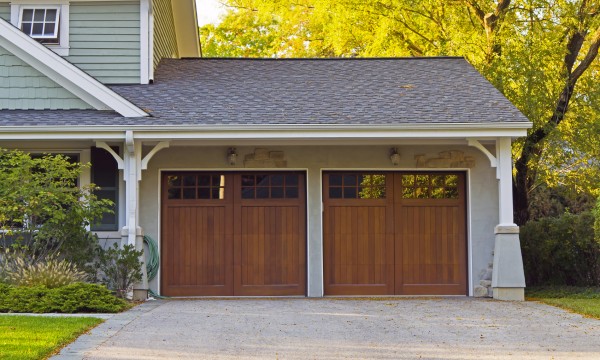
584,301
37,337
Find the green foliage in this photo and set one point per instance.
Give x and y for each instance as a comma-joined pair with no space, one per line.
597,221
553,201
42,210
561,251
37,337
120,268
78,297
50,272
522,51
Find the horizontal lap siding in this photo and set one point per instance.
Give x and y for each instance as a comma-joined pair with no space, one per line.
105,40
24,88
165,40
5,11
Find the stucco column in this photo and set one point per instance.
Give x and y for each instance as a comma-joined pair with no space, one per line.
508,277
314,233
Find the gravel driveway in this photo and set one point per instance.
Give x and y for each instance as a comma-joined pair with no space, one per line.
440,328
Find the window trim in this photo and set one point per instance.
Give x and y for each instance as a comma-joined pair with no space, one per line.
62,48
56,35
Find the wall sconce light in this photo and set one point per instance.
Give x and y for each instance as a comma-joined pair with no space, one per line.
394,156
231,156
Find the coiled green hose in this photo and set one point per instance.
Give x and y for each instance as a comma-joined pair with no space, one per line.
152,257
152,263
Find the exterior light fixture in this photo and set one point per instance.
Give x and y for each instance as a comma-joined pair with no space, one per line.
232,156
394,156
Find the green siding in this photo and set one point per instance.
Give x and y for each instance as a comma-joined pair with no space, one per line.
105,40
5,11
24,88
165,39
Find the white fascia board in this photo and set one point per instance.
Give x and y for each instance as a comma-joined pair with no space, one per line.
64,73
330,134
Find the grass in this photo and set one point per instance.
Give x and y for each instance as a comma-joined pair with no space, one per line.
584,301
38,337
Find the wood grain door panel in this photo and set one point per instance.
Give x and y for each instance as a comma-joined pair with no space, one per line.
431,236
407,240
358,244
216,243
197,245
270,241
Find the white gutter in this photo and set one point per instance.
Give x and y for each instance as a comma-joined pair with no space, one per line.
275,127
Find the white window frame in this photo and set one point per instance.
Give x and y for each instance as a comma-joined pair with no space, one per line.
56,33
17,7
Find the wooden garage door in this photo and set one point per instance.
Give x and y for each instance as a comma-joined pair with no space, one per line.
395,233
233,234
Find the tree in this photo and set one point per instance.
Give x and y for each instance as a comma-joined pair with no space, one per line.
43,213
541,54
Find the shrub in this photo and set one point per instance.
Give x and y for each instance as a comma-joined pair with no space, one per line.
50,272
78,297
561,251
120,268
43,211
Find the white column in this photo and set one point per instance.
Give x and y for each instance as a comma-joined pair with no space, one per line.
505,196
508,277
133,174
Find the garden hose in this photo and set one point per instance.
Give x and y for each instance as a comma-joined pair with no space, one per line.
152,258
152,263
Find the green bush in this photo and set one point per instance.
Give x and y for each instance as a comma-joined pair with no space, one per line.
561,251
74,298
42,209
119,268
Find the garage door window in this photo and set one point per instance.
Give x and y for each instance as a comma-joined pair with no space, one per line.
357,186
270,186
428,186
193,187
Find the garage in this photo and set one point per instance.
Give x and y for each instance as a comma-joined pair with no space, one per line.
400,233
233,234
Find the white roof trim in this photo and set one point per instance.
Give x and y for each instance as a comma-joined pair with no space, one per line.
302,133
64,73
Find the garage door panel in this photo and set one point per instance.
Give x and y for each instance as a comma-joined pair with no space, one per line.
196,259
394,233
358,234
271,250
431,245
224,236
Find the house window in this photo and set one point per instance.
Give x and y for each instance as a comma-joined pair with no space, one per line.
45,21
105,174
41,23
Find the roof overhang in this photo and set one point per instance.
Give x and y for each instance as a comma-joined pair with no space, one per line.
185,19
275,133
64,73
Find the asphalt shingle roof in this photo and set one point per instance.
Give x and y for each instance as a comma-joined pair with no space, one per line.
301,92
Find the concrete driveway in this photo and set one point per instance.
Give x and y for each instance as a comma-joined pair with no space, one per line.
440,328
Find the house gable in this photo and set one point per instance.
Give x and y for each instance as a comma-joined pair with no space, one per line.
63,73
23,87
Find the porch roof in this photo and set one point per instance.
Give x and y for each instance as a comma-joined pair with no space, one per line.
264,92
